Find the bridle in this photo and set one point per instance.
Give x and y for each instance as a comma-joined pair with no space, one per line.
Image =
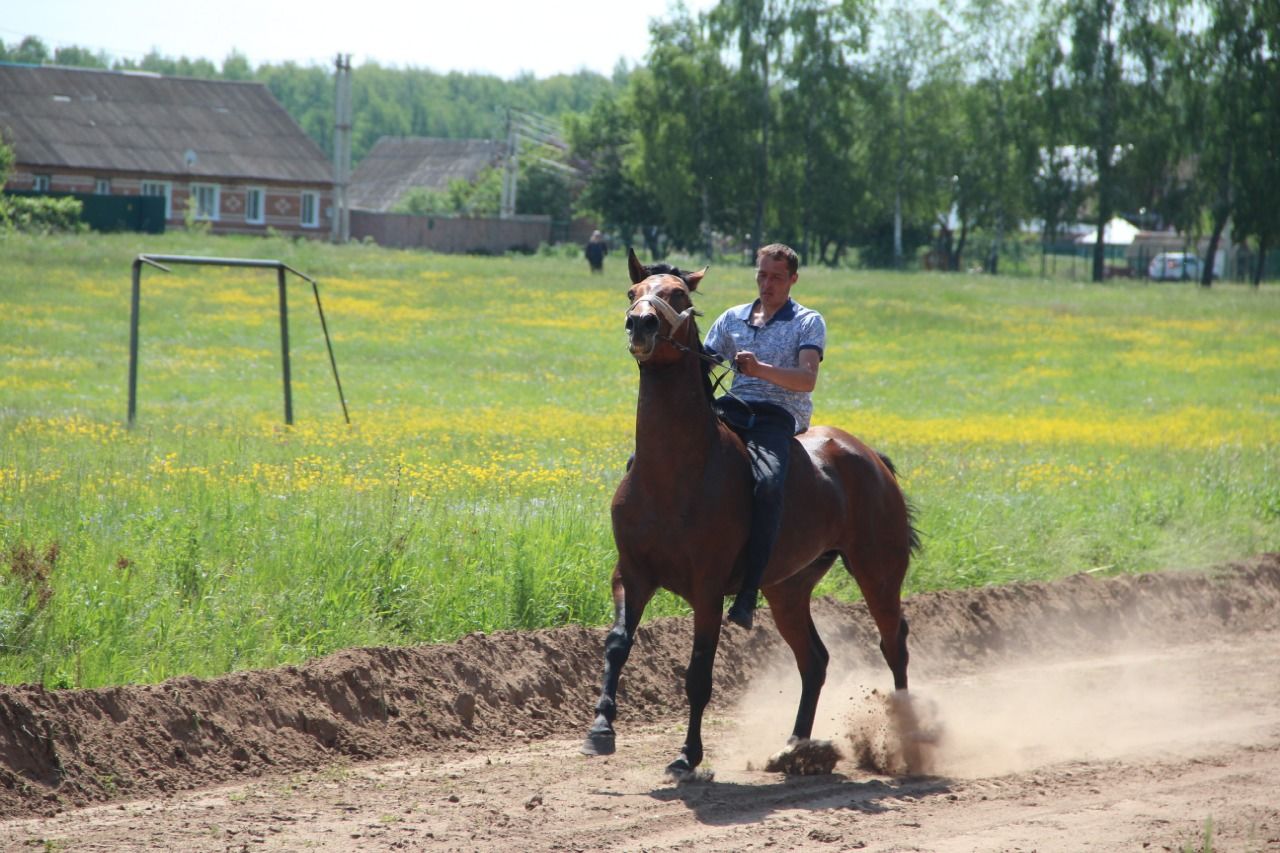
663,307
676,321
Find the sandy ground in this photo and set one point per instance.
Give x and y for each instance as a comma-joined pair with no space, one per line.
1133,713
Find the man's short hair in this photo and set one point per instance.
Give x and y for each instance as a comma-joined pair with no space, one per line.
779,252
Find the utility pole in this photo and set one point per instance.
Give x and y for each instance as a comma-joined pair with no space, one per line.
510,170
536,131
341,232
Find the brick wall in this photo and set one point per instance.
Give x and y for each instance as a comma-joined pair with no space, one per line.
282,208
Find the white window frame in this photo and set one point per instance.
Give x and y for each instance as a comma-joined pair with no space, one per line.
164,188
313,208
41,183
215,207
261,216
102,186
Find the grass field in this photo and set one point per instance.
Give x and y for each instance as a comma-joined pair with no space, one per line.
1041,428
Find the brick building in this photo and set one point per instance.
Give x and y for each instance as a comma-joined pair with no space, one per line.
226,150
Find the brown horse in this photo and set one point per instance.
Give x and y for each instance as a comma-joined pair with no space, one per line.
681,513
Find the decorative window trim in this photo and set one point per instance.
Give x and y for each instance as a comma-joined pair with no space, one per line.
215,206
261,216
165,189
309,203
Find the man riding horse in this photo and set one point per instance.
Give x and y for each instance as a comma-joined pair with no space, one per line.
776,346
683,513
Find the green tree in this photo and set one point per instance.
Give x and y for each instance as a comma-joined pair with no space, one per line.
758,30
821,184
1055,185
236,67
79,57
695,145
606,140
6,162
1258,172
1118,73
480,197
421,201
1233,80
997,40
30,51
1095,66
913,64
547,184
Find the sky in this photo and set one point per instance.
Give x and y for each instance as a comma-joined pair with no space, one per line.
500,37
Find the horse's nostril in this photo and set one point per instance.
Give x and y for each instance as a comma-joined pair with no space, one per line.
646,324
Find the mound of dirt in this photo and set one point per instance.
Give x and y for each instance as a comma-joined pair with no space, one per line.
67,748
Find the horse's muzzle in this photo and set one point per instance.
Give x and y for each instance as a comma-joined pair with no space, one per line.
642,335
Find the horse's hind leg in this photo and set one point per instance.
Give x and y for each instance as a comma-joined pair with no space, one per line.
880,579
895,651
789,604
628,605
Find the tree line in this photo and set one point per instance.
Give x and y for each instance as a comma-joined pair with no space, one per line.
892,127
879,131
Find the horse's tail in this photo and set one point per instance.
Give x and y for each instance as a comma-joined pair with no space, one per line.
913,535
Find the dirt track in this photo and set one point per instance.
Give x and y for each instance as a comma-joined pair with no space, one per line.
1086,714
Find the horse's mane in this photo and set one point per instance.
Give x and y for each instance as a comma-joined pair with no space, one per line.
662,268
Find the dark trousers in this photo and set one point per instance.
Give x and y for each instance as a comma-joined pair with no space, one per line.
767,431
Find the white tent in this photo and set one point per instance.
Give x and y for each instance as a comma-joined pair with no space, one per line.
1117,233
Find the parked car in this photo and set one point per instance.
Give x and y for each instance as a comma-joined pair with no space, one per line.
1174,266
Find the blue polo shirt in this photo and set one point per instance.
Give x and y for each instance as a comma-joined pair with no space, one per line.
778,342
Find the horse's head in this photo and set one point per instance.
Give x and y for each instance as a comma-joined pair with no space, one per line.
660,309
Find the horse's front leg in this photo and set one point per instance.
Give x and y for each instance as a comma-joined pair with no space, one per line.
629,601
697,685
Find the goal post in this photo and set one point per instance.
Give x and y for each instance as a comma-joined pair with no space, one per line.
160,262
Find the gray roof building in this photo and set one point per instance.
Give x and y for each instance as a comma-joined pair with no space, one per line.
84,119
397,164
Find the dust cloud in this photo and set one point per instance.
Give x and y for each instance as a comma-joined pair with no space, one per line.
1010,716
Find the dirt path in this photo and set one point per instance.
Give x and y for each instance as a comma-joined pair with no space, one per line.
1082,715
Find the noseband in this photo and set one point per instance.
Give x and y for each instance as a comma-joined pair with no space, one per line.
666,311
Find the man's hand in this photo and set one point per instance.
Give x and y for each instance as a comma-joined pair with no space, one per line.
802,378
746,363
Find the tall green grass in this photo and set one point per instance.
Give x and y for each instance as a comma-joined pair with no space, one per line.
1040,427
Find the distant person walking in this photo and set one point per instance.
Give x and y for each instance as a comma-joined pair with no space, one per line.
595,251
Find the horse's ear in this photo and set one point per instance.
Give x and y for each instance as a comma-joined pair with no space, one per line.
637,270
693,278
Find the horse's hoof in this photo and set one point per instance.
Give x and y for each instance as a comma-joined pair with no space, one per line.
805,758
680,772
599,743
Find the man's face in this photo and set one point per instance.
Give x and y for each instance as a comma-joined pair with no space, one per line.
774,281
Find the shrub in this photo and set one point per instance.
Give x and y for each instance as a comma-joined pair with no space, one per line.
41,215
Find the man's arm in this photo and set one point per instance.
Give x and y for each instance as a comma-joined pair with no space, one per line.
802,378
